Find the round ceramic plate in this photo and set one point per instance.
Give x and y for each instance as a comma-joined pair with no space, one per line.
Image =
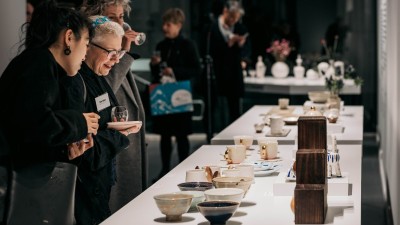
290,120
267,172
123,125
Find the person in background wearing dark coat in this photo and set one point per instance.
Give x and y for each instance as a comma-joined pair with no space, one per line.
131,164
228,40
36,124
96,170
180,59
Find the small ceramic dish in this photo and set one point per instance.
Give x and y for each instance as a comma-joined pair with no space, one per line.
292,120
195,186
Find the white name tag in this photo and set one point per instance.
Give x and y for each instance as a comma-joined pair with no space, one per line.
102,102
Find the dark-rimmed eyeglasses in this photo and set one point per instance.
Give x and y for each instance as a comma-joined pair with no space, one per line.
111,53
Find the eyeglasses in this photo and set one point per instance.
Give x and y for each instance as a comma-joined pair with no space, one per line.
111,53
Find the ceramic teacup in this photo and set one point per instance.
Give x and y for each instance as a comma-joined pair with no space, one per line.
246,170
196,175
283,103
245,140
231,173
236,153
276,124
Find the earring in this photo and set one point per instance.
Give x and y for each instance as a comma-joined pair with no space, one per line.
67,50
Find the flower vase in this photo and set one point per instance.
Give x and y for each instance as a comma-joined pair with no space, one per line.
280,69
334,100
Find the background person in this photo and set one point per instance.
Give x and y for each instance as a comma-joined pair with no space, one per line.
228,41
182,63
131,164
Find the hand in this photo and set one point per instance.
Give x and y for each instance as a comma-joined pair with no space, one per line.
132,130
168,72
242,40
155,60
78,148
92,121
128,38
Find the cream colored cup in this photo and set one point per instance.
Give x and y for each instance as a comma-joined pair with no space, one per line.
236,153
246,170
231,173
269,150
276,124
196,175
283,103
214,169
245,140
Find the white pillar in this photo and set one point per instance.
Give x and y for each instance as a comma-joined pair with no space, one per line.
12,16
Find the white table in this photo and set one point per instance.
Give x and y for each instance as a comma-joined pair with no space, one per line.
259,206
351,118
293,86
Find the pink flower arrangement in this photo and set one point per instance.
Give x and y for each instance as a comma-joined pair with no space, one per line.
280,49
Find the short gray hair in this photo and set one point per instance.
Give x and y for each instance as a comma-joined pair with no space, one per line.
103,26
234,6
97,7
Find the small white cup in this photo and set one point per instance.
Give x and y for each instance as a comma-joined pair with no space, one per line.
231,173
283,103
245,140
276,124
196,175
246,170
236,153
268,150
214,169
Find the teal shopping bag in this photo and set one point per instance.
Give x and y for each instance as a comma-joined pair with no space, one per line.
169,98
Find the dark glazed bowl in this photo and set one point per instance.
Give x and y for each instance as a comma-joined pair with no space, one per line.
217,212
195,186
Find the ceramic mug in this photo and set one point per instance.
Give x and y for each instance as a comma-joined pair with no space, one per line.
269,150
276,124
245,140
236,153
246,170
196,175
283,103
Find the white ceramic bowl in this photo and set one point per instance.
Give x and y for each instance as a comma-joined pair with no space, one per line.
198,196
229,194
243,183
173,205
318,96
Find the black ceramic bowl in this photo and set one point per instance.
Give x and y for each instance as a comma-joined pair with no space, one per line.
217,212
195,186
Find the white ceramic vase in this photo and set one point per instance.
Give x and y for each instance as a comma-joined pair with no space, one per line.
280,70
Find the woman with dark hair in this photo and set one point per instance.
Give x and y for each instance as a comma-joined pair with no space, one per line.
37,126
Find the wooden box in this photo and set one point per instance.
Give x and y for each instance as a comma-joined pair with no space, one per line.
312,132
311,166
310,203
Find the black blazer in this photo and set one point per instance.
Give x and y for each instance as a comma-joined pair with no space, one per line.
226,61
181,55
95,167
36,123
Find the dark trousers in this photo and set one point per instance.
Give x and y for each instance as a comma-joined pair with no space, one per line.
166,150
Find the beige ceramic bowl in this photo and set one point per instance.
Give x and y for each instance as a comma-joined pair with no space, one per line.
243,183
173,205
318,96
228,194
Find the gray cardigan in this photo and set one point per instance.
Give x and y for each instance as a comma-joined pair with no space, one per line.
131,164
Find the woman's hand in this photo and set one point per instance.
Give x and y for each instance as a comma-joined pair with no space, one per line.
132,130
92,121
128,38
78,148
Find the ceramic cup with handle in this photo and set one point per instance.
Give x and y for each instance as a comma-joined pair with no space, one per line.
283,103
236,153
276,124
268,149
196,175
245,140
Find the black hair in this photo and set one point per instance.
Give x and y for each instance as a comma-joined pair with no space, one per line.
49,19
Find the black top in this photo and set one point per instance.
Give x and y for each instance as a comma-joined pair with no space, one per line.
181,55
36,123
226,61
95,175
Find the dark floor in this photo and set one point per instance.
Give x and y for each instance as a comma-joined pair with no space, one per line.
373,205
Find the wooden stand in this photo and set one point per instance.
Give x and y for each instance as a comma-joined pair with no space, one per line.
311,185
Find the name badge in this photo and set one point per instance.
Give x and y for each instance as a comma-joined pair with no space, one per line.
102,102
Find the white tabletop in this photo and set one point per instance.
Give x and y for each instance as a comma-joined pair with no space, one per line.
351,119
293,86
259,206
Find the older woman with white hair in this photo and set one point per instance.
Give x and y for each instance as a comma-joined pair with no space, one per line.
91,92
